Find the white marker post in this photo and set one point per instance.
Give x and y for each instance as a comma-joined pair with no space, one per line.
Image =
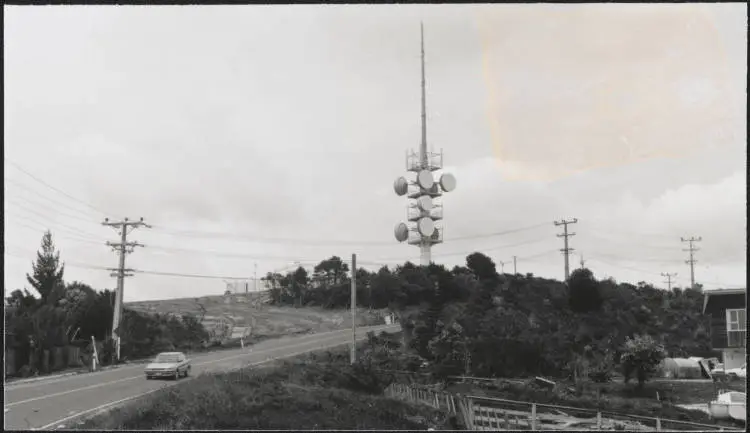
95,354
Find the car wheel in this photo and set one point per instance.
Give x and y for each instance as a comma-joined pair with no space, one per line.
148,377
187,372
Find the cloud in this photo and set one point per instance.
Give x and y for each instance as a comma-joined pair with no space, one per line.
278,122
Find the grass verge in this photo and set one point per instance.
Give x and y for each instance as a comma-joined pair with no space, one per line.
313,391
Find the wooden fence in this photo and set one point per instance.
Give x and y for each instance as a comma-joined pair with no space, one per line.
484,413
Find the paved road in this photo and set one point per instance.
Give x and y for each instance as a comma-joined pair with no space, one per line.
51,403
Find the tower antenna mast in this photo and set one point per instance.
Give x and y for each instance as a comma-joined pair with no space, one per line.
425,189
423,147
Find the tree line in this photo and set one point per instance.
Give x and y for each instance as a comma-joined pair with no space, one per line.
62,315
471,320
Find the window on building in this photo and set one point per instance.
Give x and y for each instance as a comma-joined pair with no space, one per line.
736,320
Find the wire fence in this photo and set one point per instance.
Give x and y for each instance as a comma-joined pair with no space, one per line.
486,413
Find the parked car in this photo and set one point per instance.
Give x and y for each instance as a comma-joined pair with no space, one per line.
169,364
738,372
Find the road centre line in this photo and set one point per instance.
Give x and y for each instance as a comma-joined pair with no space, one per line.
140,376
137,366
107,405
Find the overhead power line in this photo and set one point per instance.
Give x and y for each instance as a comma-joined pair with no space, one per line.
49,226
21,169
609,229
609,239
23,206
296,241
50,201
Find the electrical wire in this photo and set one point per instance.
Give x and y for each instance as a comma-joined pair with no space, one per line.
681,278
54,201
258,239
23,201
18,167
608,229
604,237
639,259
66,228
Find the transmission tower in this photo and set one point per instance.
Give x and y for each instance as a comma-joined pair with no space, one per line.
692,260
123,247
423,211
565,235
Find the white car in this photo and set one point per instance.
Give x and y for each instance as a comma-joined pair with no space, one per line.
169,364
739,371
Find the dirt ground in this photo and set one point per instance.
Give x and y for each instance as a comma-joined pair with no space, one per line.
251,315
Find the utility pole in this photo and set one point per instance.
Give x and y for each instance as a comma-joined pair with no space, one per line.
502,267
566,251
583,262
255,278
692,260
515,272
353,353
123,247
669,279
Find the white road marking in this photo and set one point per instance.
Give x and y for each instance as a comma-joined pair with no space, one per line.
99,385
105,406
139,365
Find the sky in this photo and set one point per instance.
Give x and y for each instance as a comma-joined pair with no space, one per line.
254,137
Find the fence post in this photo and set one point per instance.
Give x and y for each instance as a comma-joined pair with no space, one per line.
533,416
598,420
658,424
470,406
507,421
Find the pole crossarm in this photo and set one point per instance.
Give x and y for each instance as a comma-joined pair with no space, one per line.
566,250
123,248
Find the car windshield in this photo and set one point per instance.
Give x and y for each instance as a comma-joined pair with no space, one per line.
167,358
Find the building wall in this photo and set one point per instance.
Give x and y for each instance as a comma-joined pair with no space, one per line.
733,358
717,308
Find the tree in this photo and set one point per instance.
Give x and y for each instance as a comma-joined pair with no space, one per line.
482,266
450,351
299,283
77,301
47,276
641,355
584,291
333,270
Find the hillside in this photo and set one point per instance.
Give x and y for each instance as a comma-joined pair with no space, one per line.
473,320
233,316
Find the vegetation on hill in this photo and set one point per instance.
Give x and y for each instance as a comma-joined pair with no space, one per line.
473,321
71,313
470,320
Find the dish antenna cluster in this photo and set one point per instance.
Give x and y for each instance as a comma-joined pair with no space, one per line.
423,210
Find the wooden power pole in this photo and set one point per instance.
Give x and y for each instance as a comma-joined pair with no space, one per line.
123,247
353,353
566,251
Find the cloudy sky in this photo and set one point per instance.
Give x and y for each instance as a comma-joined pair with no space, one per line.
268,135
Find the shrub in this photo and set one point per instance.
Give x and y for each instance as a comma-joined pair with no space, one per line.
641,356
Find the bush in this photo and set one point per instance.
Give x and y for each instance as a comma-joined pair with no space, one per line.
641,356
